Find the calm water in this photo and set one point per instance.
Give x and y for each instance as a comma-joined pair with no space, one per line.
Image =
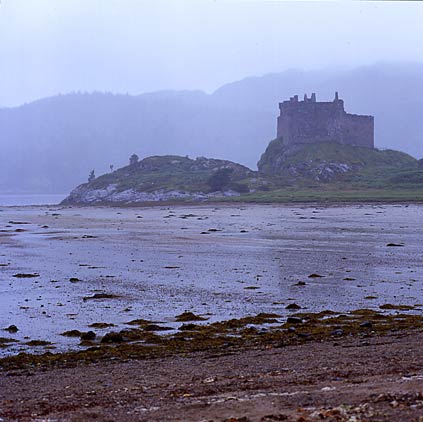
31,199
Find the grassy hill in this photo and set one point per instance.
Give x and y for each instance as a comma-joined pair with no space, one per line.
172,172
325,171
168,177
333,162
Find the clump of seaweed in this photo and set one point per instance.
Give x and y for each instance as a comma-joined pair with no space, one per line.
389,306
217,337
101,325
189,316
38,343
112,337
71,333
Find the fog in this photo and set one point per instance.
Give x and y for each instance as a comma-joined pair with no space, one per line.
85,84
136,46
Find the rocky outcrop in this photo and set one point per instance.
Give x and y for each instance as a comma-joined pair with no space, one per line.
292,162
83,194
323,171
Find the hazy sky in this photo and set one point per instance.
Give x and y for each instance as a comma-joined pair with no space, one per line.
52,46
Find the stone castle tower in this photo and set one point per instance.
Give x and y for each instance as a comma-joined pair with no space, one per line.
309,121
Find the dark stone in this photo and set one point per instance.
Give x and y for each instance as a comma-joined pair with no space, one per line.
74,279
89,335
304,335
189,316
314,275
12,329
337,332
155,327
188,327
366,324
294,320
112,337
71,333
293,306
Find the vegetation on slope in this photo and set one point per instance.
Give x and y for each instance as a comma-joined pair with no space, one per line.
171,172
333,162
315,172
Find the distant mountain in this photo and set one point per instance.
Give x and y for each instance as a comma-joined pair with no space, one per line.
53,144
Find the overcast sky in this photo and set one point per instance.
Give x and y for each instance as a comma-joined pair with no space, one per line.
52,46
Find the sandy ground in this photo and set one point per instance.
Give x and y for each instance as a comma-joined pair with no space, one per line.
221,262
369,379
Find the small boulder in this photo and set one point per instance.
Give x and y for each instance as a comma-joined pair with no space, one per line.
112,337
189,316
293,306
188,327
89,335
71,333
74,279
294,320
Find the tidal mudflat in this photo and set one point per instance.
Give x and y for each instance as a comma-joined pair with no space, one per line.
67,268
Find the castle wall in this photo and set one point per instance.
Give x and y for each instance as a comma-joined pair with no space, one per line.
309,121
358,130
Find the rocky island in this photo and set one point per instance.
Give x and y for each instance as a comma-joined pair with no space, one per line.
319,147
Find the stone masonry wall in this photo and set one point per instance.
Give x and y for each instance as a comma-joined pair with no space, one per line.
309,121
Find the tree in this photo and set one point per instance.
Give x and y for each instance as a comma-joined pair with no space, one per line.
220,179
91,177
111,168
133,159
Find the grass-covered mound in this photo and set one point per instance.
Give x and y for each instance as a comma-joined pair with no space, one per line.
326,171
333,162
166,177
171,172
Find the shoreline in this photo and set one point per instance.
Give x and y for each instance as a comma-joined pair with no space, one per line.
371,377
223,204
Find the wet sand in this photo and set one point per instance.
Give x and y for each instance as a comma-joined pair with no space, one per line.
219,262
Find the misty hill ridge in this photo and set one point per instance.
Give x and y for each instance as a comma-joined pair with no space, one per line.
52,144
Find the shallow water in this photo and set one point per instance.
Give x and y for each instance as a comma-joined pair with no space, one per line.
31,199
160,263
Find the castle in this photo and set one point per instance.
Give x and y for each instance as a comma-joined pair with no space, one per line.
309,121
